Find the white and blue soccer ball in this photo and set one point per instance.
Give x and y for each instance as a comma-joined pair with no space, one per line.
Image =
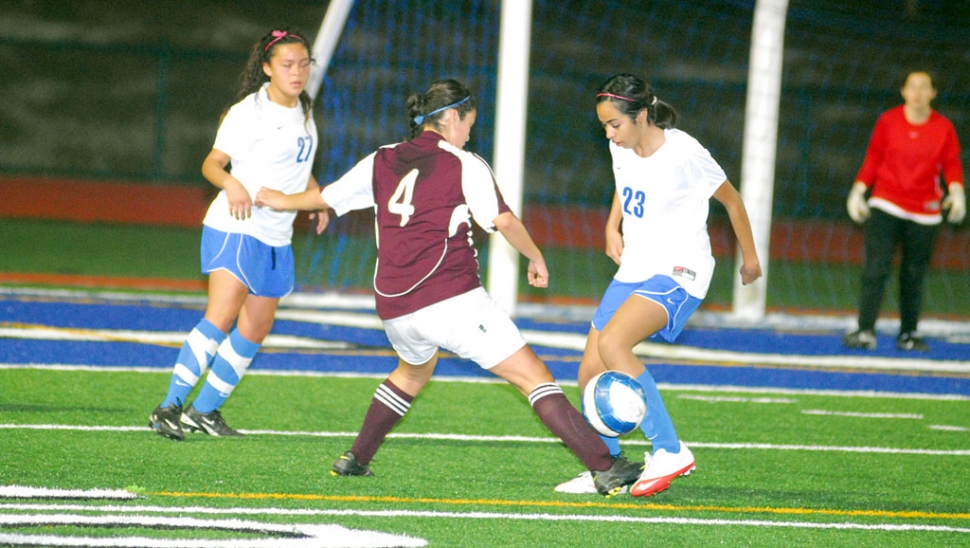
614,403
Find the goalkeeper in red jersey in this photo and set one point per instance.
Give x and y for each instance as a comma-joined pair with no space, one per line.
911,146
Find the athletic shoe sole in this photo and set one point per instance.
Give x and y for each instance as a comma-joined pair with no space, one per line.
646,488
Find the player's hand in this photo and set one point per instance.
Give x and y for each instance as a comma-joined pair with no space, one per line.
856,204
240,203
323,219
267,197
538,274
614,245
750,273
956,202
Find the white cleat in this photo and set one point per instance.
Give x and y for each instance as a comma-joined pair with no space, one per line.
662,469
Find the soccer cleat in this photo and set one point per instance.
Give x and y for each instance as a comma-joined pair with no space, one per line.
165,421
347,465
615,480
661,469
583,484
908,342
211,423
863,339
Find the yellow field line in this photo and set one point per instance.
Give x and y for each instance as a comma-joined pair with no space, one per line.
562,504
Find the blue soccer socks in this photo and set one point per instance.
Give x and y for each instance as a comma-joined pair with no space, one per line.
196,355
234,356
613,444
657,425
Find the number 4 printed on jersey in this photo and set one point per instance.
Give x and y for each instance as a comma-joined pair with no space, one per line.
400,202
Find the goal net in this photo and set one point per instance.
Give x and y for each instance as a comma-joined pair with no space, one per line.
843,66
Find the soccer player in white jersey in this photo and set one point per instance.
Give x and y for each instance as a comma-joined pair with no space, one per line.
269,138
425,192
657,233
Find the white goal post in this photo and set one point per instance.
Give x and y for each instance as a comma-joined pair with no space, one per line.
759,148
759,139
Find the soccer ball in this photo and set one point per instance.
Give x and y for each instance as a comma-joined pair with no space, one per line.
614,403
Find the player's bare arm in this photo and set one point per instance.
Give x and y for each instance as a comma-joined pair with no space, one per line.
214,170
518,237
308,200
614,238
323,216
732,202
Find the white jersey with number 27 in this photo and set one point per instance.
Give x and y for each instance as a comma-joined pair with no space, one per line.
665,201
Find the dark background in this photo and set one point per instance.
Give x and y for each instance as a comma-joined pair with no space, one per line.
133,91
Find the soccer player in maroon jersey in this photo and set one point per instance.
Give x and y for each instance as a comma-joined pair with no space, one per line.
911,146
425,193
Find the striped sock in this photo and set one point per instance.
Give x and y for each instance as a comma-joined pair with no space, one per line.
233,358
389,405
563,420
194,358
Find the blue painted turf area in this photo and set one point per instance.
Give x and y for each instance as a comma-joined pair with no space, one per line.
371,353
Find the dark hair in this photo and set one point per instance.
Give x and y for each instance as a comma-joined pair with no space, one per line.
917,70
630,95
440,96
253,77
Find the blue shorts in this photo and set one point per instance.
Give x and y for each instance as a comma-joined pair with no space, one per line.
266,270
662,290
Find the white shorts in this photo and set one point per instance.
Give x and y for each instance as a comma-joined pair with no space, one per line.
471,325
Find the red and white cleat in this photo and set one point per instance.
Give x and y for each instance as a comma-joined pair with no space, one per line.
661,469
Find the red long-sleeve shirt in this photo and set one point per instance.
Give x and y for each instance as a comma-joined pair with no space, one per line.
904,161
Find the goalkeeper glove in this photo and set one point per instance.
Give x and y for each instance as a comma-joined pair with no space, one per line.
856,204
956,202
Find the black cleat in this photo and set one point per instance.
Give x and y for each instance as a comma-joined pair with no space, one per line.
165,421
211,423
615,480
908,342
863,339
347,465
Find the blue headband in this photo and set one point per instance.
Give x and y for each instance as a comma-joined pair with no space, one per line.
420,119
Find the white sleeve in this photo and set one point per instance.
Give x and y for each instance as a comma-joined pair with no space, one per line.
707,172
235,134
480,191
355,190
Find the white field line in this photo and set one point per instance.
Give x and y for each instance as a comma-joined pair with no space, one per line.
810,323
735,399
888,527
275,535
351,317
516,439
170,338
24,492
492,380
948,428
911,416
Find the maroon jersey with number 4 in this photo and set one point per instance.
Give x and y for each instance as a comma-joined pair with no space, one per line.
424,192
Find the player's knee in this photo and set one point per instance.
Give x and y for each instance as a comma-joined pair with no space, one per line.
611,348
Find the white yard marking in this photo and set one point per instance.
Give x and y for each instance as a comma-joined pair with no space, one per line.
167,370
172,338
519,439
275,535
907,416
22,492
946,428
735,399
888,527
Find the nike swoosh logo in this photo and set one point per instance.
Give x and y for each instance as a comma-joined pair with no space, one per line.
181,383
